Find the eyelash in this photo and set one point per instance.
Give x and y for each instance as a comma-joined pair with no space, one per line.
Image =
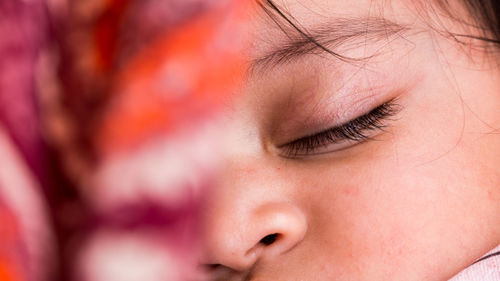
356,130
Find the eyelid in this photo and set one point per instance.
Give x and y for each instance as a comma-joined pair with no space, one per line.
354,131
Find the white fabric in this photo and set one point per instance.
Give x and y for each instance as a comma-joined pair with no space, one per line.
485,270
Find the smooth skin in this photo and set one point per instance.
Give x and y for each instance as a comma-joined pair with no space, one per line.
418,201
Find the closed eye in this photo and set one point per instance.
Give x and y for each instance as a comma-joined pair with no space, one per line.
349,133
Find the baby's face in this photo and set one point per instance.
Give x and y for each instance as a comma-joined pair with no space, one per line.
382,166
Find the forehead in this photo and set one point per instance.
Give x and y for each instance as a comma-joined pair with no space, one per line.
310,13
283,29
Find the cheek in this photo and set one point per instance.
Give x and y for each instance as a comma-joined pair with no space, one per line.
363,224
489,178
386,211
350,192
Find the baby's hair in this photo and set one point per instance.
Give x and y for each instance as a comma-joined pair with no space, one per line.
486,13
485,25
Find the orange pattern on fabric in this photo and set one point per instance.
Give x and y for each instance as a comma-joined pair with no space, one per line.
7,272
10,237
181,77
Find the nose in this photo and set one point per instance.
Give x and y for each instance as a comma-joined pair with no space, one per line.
239,238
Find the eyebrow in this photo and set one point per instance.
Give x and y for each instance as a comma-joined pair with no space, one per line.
346,33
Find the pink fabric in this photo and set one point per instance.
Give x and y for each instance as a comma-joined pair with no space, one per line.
484,270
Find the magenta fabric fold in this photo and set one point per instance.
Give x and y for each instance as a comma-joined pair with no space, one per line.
23,33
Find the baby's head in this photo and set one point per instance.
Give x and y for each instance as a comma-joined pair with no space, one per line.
363,145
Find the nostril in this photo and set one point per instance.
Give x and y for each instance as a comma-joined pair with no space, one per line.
269,239
213,266
210,267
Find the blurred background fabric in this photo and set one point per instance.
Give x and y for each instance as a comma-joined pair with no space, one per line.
108,117
25,228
